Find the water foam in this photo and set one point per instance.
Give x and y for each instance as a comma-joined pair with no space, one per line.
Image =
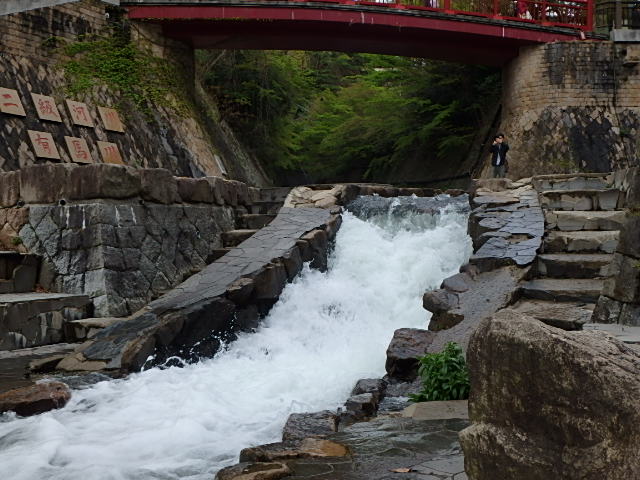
327,330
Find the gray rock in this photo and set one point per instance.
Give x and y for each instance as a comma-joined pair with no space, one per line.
195,190
46,183
375,386
102,180
303,425
359,407
531,427
439,301
257,471
403,352
158,185
35,399
624,284
9,188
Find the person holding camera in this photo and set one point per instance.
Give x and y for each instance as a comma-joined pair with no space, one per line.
499,150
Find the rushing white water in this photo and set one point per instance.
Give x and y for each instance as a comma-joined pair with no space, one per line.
327,331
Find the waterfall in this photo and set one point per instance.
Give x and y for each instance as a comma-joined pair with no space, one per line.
327,330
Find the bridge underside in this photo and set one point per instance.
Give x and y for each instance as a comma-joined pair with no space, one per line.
457,38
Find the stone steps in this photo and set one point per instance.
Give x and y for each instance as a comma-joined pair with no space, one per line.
18,272
34,319
571,181
218,253
274,194
86,328
571,221
233,238
584,241
606,199
255,220
563,290
568,316
265,207
573,265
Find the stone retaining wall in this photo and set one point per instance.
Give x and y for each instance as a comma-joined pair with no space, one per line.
119,235
193,142
572,106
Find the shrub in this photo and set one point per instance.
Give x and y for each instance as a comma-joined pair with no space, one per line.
444,375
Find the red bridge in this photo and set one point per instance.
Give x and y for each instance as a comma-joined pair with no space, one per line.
472,31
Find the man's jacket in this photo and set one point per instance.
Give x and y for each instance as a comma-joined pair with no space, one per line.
502,148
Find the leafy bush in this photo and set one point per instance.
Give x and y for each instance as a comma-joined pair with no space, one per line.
444,375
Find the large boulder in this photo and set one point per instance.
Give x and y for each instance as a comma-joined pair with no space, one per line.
548,403
402,355
35,399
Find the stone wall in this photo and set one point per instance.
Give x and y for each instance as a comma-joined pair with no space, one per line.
183,142
572,106
620,299
119,235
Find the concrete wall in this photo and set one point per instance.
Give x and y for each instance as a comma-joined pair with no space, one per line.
182,142
572,106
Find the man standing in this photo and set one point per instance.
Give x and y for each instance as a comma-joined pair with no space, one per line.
499,150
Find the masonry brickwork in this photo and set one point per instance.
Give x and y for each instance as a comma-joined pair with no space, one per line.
572,106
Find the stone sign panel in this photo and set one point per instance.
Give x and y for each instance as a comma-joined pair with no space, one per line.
111,119
110,153
46,108
78,150
10,102
43,145
80,113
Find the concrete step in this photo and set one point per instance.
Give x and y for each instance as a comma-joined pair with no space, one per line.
573,265
563,290
274,194
266,207
568,316
569,221
255,220
571,181
584,241
233,238
608,199
34,319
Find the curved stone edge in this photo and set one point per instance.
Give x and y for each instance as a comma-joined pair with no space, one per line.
230,295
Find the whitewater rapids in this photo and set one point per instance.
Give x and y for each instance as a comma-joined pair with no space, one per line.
326,331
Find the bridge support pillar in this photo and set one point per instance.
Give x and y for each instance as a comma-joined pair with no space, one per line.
571,106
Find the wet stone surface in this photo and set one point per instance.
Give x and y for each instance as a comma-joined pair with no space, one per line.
386,447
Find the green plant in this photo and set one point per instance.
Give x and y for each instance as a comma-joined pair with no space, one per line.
16,241
444,375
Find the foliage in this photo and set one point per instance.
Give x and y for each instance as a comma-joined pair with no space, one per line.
444,375
117,62
337,116
16,241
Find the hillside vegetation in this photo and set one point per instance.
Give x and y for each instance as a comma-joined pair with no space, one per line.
324,116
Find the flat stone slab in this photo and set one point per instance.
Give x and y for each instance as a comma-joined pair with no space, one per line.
582,241
585,220
624,333
391,448
9,298
565,315
608,199
574,265
437,410
563,290
571,181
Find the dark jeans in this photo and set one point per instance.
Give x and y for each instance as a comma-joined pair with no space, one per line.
498,171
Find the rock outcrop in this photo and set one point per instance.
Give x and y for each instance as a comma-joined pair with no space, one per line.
546,403
35,399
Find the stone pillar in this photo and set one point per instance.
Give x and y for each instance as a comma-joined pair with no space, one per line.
572,106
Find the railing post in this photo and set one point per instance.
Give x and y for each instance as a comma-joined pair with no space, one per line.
590,15
618,16
496,8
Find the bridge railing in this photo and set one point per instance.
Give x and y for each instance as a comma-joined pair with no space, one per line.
562,13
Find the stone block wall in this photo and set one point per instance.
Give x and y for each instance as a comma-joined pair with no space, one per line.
187,143
572,106
620,299
119,235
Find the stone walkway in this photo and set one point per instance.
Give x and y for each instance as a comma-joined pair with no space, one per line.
391,448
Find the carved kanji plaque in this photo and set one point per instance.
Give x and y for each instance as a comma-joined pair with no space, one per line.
10,102
80,113
46,108
43,145
110,153
78,150
111,119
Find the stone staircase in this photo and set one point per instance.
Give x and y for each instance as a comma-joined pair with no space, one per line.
259,215
582,223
